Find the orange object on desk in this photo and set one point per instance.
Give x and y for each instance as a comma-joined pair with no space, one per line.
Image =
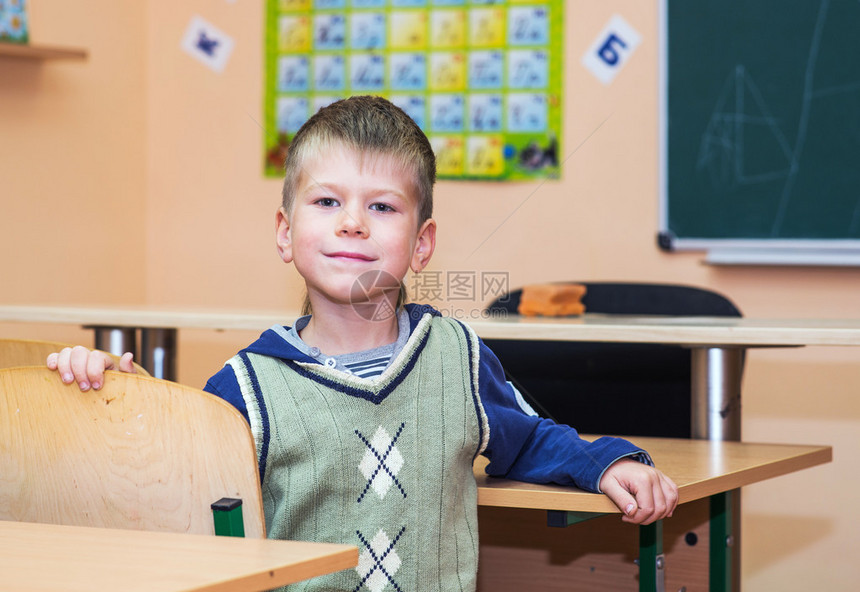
552,300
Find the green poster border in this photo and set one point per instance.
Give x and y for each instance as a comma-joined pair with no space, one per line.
276,143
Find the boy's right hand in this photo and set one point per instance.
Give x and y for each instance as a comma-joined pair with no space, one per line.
87,367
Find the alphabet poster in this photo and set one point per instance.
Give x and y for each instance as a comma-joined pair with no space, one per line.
482,78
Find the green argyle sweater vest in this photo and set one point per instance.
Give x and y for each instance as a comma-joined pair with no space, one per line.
384,463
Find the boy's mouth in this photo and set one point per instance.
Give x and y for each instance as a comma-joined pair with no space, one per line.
349,255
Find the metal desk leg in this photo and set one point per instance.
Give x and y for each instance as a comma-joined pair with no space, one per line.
652,562
716,415
158,352
227,516
114,340
716,393
722,542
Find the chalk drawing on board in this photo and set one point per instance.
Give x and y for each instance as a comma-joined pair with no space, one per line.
744,144
740,128
803,124
760,133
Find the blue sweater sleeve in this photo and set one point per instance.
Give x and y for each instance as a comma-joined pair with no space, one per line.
225,386
526,447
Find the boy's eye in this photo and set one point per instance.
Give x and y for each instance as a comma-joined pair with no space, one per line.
381,207
327,202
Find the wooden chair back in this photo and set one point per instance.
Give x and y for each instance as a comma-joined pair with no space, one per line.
141,453
30,352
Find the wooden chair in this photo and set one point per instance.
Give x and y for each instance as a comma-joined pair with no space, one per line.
29,352
141,453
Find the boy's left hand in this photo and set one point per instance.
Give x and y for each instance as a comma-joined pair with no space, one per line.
641,492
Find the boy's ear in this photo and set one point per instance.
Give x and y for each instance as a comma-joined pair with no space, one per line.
282,235
424,246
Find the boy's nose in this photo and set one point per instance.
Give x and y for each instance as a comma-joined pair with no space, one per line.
350,223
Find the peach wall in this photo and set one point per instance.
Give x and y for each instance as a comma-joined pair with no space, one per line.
135,178
73,159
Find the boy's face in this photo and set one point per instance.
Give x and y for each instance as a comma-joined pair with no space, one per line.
351,216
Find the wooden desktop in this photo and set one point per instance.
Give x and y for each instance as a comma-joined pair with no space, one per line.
520,550
48,557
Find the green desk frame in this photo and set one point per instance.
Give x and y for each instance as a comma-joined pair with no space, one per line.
652,561
227,515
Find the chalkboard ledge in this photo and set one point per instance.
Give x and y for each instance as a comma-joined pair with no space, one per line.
797,256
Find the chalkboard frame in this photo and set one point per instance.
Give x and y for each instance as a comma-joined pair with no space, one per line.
837,251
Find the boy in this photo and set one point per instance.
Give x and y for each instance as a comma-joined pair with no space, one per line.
367,424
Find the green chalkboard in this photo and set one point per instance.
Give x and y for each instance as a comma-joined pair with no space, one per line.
761,121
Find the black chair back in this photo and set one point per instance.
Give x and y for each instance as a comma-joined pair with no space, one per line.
612,388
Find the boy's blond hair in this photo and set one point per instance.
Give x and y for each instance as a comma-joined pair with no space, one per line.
372,127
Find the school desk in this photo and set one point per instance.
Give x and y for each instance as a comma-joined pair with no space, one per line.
54,558
717,344
700,468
